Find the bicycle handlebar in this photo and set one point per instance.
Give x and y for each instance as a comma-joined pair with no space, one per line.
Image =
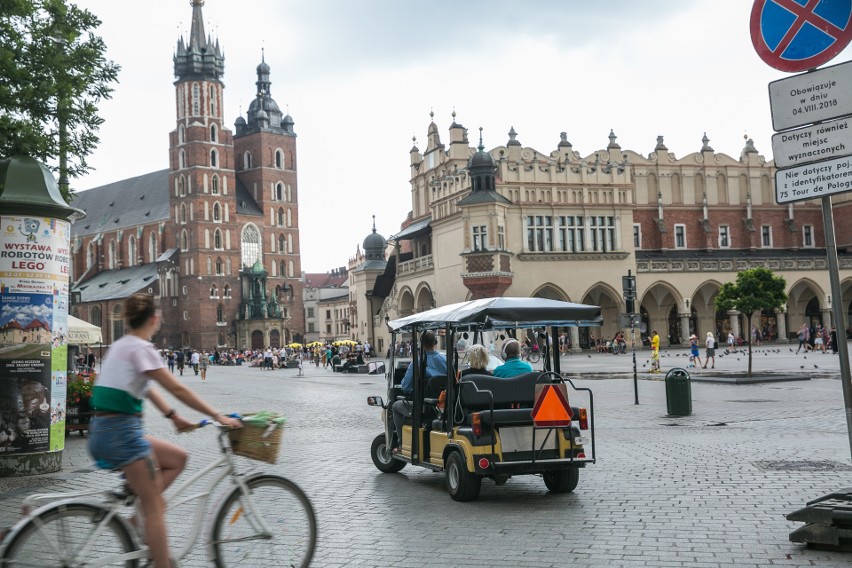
207,422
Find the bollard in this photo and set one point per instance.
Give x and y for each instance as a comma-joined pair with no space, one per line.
678,392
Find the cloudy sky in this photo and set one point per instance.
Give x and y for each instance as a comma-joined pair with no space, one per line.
360,77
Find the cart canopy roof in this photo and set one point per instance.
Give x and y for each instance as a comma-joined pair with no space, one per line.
495,313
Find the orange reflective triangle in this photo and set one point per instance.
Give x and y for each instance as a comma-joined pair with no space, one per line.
551,407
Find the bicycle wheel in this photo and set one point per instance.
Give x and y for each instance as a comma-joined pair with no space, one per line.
534,356
56,536
239,539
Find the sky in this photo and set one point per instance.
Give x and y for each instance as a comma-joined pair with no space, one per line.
361,77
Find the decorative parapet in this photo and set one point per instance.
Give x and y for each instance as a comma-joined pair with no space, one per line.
737,265
467,275
568,256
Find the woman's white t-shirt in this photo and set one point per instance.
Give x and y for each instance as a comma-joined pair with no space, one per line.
122,384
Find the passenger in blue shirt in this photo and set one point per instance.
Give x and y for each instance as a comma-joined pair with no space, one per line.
436,366
513,365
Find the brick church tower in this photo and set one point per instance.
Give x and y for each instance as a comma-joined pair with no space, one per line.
234,206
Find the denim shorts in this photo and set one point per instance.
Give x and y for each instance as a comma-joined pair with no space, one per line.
117,441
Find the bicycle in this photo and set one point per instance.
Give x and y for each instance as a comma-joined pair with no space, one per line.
266,520
531,354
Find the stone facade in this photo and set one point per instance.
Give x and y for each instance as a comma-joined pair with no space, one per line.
566,225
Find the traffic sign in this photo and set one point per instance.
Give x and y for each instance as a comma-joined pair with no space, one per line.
551,406
811,97
812,144
797,35
822,179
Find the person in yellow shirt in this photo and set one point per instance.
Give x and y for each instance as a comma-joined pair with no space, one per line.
655,352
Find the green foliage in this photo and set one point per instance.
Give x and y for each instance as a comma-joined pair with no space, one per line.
53,69
755,289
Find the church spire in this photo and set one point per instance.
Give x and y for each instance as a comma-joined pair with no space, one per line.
200,57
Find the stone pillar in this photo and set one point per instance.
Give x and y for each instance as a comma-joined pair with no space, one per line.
575,339
781,326
826,318
734,319
684,328
35,222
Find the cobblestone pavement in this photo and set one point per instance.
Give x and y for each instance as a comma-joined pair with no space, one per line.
705,490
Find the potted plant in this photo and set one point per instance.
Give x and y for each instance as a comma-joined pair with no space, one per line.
79,393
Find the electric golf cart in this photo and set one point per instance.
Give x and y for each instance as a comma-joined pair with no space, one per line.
484,426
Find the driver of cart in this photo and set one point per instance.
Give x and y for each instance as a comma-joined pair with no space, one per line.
117,441
436,366
513,365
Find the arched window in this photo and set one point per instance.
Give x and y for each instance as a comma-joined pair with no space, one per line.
213,133
184,241
247,161
131,251
214,185
289,218
181,187
183,213
181,160
111,258
228,266
96,316
219,265
279,159
217,240
280,217
213,159
220,313
251,246
279,191
214,292
290,268
117,322
90,255
196,95
209,265
153,253
282,243
212,103
227,291
181,134
274,268
217,213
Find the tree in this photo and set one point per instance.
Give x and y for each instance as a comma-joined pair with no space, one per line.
54,75
755,289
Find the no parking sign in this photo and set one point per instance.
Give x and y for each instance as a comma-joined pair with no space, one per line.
797,35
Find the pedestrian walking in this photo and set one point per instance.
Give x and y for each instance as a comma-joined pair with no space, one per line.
819,342
655,352
180,359
694,357
170,359
731,341
834,347
203,362
196,357
804,334
711,350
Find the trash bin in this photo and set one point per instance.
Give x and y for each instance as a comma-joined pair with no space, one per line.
678,392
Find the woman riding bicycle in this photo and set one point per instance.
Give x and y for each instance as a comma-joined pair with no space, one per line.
117,440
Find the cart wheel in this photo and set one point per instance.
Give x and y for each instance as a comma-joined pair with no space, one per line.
562,481
382,457
462,485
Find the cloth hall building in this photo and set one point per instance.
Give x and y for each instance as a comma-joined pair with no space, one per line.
215,236
517,221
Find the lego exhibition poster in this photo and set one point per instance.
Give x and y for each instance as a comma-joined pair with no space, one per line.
34,269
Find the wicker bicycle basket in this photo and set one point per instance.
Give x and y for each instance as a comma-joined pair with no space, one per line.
257,442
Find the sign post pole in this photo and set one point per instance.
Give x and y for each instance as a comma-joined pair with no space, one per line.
837,315
628,285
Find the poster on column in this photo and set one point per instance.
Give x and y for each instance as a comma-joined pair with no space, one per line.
34,266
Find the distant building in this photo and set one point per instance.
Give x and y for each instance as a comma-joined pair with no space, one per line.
216,235
321,288
515,221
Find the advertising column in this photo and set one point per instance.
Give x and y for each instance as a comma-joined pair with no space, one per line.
34,284
34,265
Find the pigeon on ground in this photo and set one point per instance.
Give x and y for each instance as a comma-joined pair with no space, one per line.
815,367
